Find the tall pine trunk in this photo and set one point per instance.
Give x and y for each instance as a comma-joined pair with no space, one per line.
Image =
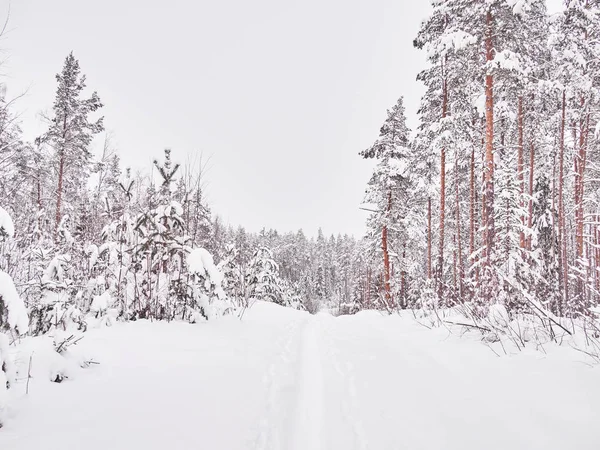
442,192
531,171
489,228
61,173
386,255
59,191
520,167
429,238
472,202
461,268
580,160
561,206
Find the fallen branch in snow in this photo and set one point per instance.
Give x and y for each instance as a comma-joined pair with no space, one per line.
71,340
594,356
546,314
470,325
28,374
86,364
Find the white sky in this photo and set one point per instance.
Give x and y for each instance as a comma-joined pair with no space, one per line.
282,95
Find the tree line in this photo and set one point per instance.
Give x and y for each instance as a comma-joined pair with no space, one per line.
494,197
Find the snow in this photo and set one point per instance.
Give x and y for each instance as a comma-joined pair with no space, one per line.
282,379
498,315
93,253
454,40
201,262
6,223
479,104
101,302
506,60
398,167
17,313
519,6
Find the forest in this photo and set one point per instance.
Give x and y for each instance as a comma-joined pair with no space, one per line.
486,216
482,233
493,199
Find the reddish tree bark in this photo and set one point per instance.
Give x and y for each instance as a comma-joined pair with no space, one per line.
61,172
489,228
520,166
472,210
596,264
531,169
442,190
561,205
429,238
386,255
461,268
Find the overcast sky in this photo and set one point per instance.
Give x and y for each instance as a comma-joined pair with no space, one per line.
281,95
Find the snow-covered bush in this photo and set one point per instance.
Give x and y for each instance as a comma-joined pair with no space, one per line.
13,317
263,277
208,298
234,280
57,307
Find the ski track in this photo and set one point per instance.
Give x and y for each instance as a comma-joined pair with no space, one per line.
307,434
350,408
278,375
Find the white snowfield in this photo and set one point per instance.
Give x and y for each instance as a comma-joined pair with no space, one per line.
282,379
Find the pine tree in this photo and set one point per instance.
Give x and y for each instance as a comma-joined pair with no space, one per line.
70,134
389,188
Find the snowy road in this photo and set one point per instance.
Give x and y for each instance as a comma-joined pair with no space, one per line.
285,380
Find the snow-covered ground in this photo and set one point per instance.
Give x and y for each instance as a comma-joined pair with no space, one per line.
282,379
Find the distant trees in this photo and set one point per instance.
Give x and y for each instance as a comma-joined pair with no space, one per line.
123,246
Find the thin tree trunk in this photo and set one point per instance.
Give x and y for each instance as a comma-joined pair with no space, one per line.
429,238
461,268
579,191
472,213
61,171
403,280
531,169
386,256
489,228
442,191
520,168
596,264
369,286
38,184
561,206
